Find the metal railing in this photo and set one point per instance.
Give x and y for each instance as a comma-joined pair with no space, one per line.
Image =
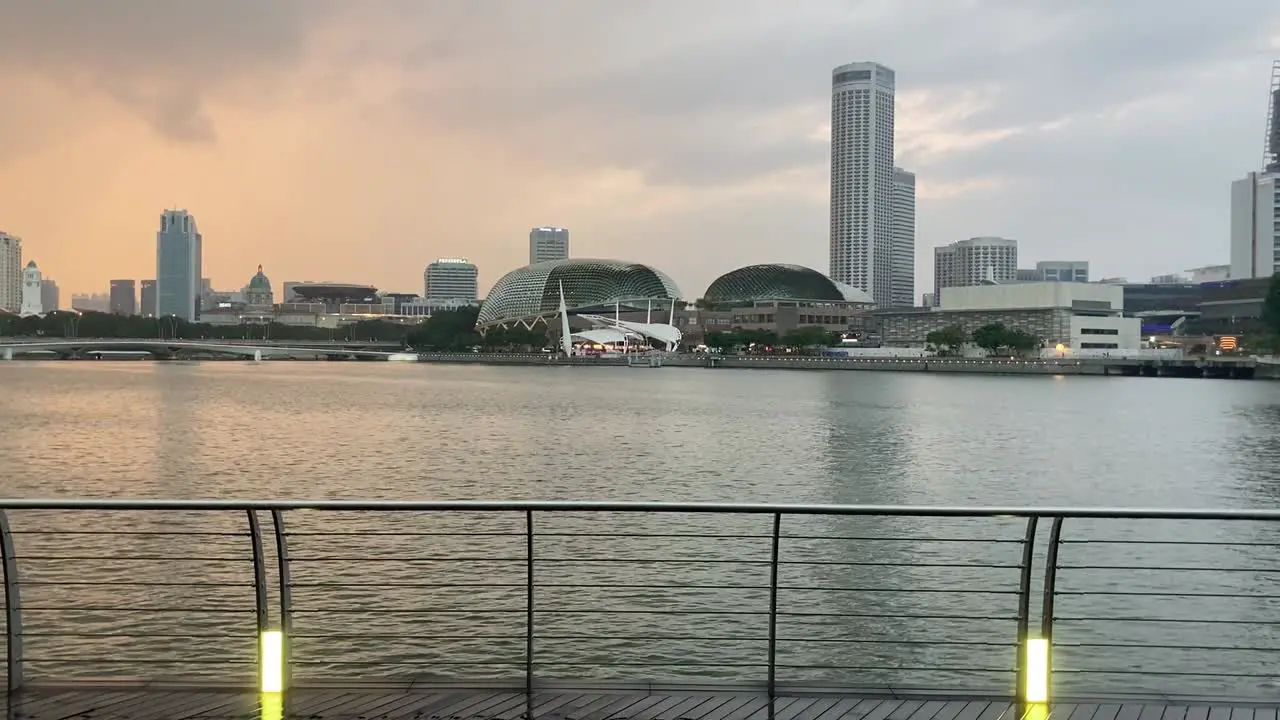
527,594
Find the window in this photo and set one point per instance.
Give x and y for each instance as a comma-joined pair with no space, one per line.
1099,346
1099,331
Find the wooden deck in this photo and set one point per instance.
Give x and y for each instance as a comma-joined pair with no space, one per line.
357,704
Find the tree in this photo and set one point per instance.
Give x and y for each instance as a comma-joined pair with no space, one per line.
1021,342
723,340
810,336
1271,306
947,339
991,337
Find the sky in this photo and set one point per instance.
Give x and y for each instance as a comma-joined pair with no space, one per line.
357,142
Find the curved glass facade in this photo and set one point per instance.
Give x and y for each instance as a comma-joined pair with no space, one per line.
779,282
534,290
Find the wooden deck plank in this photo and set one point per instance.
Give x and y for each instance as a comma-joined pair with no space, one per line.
657,704
1109,711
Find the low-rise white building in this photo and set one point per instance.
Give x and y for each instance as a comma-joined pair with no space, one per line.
1078,316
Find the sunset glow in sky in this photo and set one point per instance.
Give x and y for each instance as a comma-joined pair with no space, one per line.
327,139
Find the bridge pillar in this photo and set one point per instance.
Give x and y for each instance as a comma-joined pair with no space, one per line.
8,353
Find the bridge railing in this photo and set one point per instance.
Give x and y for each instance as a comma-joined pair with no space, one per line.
527,594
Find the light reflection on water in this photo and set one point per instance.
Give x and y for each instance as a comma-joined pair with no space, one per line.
370,604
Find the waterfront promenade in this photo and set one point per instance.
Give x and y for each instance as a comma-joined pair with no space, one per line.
648,611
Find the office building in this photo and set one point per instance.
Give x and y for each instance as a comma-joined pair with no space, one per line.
10,273
147,298
904,238
50,297
124,297
548,243
976,261
862,178
451,279
1271,153
1063,270
91,302
31,301
178,266
1255,225
1081,317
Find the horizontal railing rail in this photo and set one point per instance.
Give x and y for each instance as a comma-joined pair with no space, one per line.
998,602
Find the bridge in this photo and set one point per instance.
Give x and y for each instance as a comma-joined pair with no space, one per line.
255,349
635,611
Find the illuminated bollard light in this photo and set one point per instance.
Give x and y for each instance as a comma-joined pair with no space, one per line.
272,705
271,662
1037,671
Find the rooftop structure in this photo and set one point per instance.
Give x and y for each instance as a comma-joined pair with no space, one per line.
777,282
530,294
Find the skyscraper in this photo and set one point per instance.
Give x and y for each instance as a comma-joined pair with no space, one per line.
904,238
1271,151
31,300
973,262
124,297
10,272
862,178
178,266
548,243
1255,225
147,298
50,297
450,279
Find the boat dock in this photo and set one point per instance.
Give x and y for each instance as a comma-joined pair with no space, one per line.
173,610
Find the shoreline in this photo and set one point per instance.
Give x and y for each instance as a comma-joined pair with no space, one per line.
1221,368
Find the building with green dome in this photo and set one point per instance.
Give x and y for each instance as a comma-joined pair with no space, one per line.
258,292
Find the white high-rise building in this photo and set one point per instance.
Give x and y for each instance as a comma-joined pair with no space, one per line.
10,272
974,261
904,238
452,279
548,243
862,178
1255,225
32,304
178,266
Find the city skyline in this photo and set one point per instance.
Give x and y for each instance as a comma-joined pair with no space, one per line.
695,149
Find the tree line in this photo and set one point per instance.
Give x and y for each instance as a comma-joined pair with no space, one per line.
810,336
993,338
445,330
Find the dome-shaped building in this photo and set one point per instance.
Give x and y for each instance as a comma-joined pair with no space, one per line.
775,282
532,293
258,292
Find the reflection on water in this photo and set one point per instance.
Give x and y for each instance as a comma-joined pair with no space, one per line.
862,600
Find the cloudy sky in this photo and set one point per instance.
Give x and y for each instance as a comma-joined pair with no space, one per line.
328,139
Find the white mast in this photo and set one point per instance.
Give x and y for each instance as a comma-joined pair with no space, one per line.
566,343
648,311
672,323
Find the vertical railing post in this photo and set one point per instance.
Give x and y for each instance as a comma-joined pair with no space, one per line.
528,617
259,578
286,598
13,607
773,603
1050,593
1024,607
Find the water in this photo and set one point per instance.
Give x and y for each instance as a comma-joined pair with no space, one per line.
865,600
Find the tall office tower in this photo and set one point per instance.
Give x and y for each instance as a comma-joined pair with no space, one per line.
178,266
904,238
1271,152
147,298
862,178
1255,225
451,279
10,272
31,281
50,297
548,243
124,297
974,262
